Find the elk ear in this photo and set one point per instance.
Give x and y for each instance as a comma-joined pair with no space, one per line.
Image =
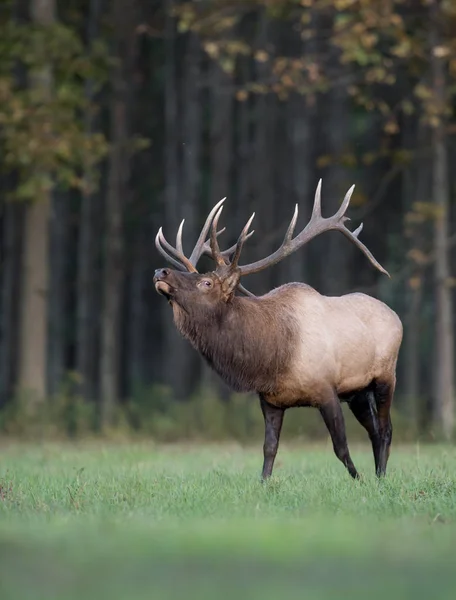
230,282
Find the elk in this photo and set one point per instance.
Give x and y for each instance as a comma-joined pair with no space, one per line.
292,346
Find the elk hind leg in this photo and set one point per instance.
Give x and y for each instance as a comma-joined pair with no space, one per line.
273,419
364,408
383,393
333,417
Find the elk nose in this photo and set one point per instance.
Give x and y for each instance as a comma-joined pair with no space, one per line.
161,273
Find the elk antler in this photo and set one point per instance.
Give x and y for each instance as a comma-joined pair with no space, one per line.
316,226
183,263
176,256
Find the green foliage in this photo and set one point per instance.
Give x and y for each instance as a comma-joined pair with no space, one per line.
152,413
378,43
43,139
66,415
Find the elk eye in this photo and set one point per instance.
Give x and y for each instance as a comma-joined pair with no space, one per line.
207,283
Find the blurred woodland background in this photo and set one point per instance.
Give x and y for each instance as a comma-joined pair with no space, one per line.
117,117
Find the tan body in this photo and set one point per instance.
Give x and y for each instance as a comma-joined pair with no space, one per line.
343,343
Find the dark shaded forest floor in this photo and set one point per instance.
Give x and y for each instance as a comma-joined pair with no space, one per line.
133,521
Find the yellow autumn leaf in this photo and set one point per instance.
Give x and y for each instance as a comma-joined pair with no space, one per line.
391,127
242,95
415,283
261,56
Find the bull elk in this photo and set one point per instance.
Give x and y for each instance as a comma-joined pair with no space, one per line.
292,346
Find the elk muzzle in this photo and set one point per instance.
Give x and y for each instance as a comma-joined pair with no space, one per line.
163,286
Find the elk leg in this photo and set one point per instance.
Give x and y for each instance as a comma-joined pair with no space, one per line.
334,419
383,393
273,419
365,410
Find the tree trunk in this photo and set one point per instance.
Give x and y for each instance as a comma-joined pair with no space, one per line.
192,133
444,405
113,272
10,290
137,310
262,171
416,189
35,274
412,351
87,332
190,363
173,345
183,202
244,150
337,255
35,267
221,142
300,116
221,132
57,291
241,149
86,320
171,121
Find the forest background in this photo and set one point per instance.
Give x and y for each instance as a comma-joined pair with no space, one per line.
119,117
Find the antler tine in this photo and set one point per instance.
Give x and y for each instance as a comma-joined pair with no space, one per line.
316,211
340,214
176,255
169,258
357,230
354,238
317,225
179,246
225,253
240,242
215,248
198,249
353,235
174,252
292,225
229,251
246,292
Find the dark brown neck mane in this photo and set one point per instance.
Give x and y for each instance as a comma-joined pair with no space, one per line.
243,341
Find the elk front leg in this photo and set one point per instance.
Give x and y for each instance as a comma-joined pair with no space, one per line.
273,419
334,419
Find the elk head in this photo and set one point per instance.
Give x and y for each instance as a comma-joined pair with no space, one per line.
187,288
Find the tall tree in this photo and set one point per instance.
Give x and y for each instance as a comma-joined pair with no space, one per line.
221,131
242,162
11,245
35,266
88,247
183,141
11,238
172,343
444,367
262,171
192,138
113,268
301,112
57,296
416,191
336,127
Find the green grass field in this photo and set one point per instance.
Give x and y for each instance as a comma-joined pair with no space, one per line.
139,521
